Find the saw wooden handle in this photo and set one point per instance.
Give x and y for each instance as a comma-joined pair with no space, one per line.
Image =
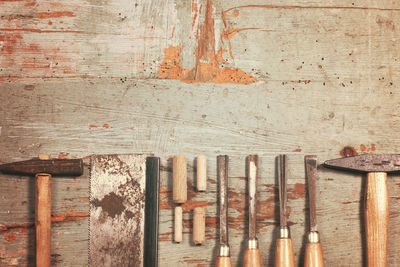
179,177
284,256
43,219
252,258
223,262
314,256
376,212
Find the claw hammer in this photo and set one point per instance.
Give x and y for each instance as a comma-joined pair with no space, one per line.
43,168
376,200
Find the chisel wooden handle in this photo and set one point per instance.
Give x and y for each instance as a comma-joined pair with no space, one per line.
179,177
252,258
223,262
376,212
313,256
284,256
43,219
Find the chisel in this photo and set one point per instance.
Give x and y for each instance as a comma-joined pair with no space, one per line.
284,256
252,256
313,256
223,259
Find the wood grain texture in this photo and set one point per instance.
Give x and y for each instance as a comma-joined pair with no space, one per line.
314,256
284,255
82,77
376,219
252,258
199,225
223,262
42,219
179,179
178,224
201,173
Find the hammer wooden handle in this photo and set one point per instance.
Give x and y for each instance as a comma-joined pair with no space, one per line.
284,256
376,212
223,262
314,256
252,258
43,219
179,177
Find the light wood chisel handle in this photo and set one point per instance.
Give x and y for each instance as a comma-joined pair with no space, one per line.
43,219
252,258
284,256
223,262
376,212
179,177
314,256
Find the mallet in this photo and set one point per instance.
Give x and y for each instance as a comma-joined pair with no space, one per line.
43,168
376,202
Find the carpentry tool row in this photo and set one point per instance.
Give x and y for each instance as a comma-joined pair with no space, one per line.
376,208
108,167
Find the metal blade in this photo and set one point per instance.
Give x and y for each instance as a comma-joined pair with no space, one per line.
311,173
222,162
117,203
282,180
252,174
367,163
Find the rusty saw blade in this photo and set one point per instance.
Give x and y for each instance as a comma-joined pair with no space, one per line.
117,210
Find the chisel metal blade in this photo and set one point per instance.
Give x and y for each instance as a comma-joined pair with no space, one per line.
282,183
222,162
311,173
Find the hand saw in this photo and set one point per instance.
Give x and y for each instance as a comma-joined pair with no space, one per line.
123,225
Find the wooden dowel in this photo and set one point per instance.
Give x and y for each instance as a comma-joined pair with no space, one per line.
179,177
201,165
178,224
199,225
43,219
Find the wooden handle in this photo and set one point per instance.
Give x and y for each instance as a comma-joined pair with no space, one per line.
223,262
376,212
252,258
43,219
179,177
284,256
199,225
314,256
201,165
178,224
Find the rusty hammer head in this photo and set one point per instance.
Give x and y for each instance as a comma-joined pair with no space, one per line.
56,167
367,163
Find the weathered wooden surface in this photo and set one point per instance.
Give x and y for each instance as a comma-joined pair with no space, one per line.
199,77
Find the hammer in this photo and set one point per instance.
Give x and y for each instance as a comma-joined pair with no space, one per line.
43,168
376,201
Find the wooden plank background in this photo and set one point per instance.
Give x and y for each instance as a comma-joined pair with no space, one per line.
204,76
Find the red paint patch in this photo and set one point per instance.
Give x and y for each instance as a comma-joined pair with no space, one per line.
29,87
93,126
10,237
348,151
56,14
207,67
69,216
63,155
363,148
297,150
105,125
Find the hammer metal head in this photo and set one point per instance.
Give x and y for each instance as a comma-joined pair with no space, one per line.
58,167
367,163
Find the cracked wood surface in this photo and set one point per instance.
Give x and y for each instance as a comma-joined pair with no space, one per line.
200,77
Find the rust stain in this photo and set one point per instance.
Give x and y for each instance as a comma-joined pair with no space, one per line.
56,14
207,67
348,151
111,203
298,191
